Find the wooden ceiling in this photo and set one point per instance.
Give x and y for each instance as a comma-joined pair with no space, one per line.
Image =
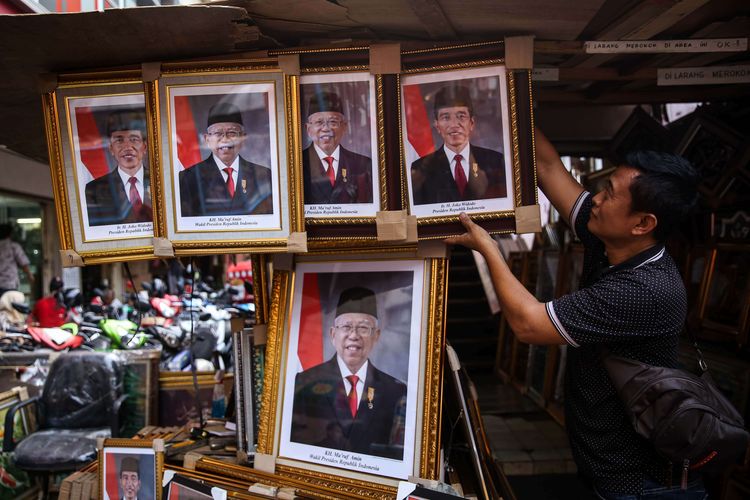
53,43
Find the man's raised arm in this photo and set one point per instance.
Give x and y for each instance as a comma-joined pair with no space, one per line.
554,179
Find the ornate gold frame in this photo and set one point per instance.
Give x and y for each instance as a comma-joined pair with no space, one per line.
380,132
157,445
287,134
523,183
63,168
342,482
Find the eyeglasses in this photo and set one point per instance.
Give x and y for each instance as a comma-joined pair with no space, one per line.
461,117
362,330
121,139
229,134
331,122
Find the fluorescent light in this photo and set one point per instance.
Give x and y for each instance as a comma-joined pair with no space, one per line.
30,220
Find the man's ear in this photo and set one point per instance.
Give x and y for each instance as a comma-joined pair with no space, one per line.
646,224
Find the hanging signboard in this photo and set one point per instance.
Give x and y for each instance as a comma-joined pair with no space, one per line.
655,46
708,75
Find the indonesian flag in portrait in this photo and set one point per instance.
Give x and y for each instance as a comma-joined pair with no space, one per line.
188,137
419,140
111,481
92,143
310,341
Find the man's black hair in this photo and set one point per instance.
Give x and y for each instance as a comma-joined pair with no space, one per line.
665,187
5,231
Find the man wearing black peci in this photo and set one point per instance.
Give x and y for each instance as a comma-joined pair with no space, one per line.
332,173
225,183
346,403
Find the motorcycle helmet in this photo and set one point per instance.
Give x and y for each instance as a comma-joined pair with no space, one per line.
158,288
72,297
55,284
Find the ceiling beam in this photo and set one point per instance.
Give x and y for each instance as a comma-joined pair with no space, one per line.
433,19
658,95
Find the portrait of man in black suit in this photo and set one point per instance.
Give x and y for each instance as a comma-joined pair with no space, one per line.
130,481
332,174
346,403
123,196
225,183
458,170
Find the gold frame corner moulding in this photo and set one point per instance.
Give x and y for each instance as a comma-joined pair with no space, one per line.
378,315
481,113
227,140
119,456
97,136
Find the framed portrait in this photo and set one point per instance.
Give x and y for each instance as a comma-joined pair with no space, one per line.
342,161
710,146
97,133
181,487
724,308
460,144
228,146
131,469
354,357
640,132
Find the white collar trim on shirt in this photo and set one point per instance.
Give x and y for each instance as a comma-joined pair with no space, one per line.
126,177
361,373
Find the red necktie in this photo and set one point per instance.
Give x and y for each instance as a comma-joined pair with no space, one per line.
353,398
460,176
135,198
331,173
230,181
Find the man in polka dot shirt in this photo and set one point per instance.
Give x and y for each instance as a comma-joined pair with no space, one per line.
631,301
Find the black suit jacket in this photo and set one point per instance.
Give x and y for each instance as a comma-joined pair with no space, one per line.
353,180
321,415
203,191
432,179
108,203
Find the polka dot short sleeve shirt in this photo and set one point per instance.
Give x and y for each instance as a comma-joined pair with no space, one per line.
635,309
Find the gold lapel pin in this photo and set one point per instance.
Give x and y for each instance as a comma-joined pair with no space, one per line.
370,397
475,169
343,174
244,186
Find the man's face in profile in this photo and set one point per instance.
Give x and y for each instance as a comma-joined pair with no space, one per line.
354,335
325,129
128,148
225,140
454,124
130,484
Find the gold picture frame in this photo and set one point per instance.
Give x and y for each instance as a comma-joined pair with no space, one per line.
410,347
96,126
361,180
194,212
141,461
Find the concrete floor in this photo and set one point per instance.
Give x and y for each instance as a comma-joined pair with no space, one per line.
531,447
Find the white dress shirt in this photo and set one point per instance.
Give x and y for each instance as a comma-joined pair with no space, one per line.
464,160
361,373
126,181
